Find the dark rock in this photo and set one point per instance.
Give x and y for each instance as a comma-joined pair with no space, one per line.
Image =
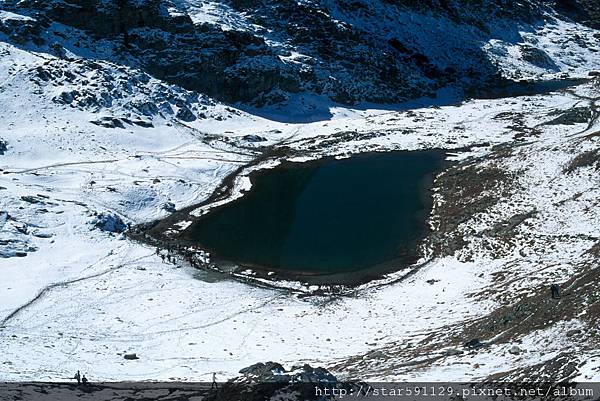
146,108
131,357
396,44
109,122
169,207
185,114
474,344
3,146
575,115
263,369
537,57
253,138
110,223
31,199
23,30
142,123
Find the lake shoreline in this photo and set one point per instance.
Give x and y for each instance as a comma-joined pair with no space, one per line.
180,249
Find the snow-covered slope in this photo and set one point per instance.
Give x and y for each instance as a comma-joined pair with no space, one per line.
94,138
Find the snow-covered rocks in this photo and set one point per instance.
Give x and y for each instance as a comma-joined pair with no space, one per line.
14,237
270,372
109,222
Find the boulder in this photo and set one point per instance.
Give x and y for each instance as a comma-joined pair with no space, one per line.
474,344
537,57
109,222
169,207
253,138
515,350
185,114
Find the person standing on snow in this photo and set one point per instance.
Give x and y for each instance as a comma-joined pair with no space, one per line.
214,382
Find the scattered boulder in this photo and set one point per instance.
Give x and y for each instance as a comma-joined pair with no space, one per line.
474,344
143,123
108,122
253,138
263,370
3,146
515,350
131,356
537,57
146,108
169,207
185,114
109,222
31,199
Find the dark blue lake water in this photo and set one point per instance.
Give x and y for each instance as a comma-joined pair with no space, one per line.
327,216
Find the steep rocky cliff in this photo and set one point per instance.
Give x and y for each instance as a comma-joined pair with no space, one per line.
349,51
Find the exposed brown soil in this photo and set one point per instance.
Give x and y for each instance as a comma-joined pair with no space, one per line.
464,190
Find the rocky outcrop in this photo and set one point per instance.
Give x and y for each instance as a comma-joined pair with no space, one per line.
20,29
112,17
584,11
266,380
382,51
108,222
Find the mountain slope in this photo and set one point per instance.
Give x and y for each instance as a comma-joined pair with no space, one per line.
262,52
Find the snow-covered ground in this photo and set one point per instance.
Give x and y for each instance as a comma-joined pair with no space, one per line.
74,297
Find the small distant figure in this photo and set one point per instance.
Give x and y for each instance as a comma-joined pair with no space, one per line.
77,377
555,289
214,382
84,380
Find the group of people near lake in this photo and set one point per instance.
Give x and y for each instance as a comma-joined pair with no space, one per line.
80,379
83,380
